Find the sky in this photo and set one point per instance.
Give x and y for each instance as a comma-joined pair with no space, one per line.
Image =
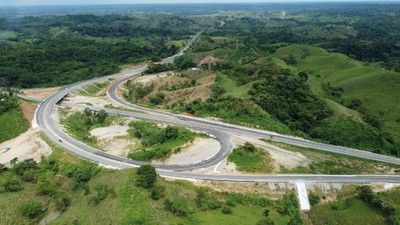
88,2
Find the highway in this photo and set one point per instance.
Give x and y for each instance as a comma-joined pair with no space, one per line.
222,131
235,129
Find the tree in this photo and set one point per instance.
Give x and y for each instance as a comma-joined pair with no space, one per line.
147,176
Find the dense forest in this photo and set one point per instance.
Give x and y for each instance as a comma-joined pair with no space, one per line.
43,51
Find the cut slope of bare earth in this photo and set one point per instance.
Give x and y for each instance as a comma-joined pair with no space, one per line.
114,139
198,150
40,92
28,145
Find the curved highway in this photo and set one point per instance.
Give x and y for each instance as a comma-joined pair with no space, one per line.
197,122
220,130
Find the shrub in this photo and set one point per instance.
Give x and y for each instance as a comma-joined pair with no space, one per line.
226,210
100,192
147,176
314,199
31,209
61,201
157,193
265,221
178,206
11,184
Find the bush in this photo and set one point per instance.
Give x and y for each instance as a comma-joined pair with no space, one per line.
314,199
21,167
226,210
46,185
61,201
206,200
100,192
157,193
147,176
178,206
11,184
31,209
266,221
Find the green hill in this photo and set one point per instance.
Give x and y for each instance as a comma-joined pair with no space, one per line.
378,90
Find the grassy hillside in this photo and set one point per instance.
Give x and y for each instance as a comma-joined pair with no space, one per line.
366,207
377,89
12,121
82,193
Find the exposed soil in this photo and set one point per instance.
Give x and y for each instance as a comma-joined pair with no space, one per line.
280,157
198,150
28,110
40,92
114,139
164,81
95,101
28,145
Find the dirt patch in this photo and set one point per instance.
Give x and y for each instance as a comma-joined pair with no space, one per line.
198,150
151,78
114,139
40,92
28,145
209,61
87,100
280,157
28,110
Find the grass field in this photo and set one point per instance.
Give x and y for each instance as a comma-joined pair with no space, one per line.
255,160
376,88
94,89
232,89
358,213
12,124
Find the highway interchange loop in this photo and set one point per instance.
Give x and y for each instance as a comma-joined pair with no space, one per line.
221,131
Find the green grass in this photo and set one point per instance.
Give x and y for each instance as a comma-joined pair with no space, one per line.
332,163
255,161
94,89
378,89
232,89
178,43
159,143
130,204
8,34
358,213
12,124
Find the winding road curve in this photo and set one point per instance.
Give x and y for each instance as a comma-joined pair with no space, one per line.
222,131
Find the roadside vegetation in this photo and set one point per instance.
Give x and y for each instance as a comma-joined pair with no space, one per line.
367,207
158,142
79,124
248,158
12,121
154,140
79,192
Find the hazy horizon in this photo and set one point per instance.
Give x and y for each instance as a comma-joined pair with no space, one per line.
117,2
